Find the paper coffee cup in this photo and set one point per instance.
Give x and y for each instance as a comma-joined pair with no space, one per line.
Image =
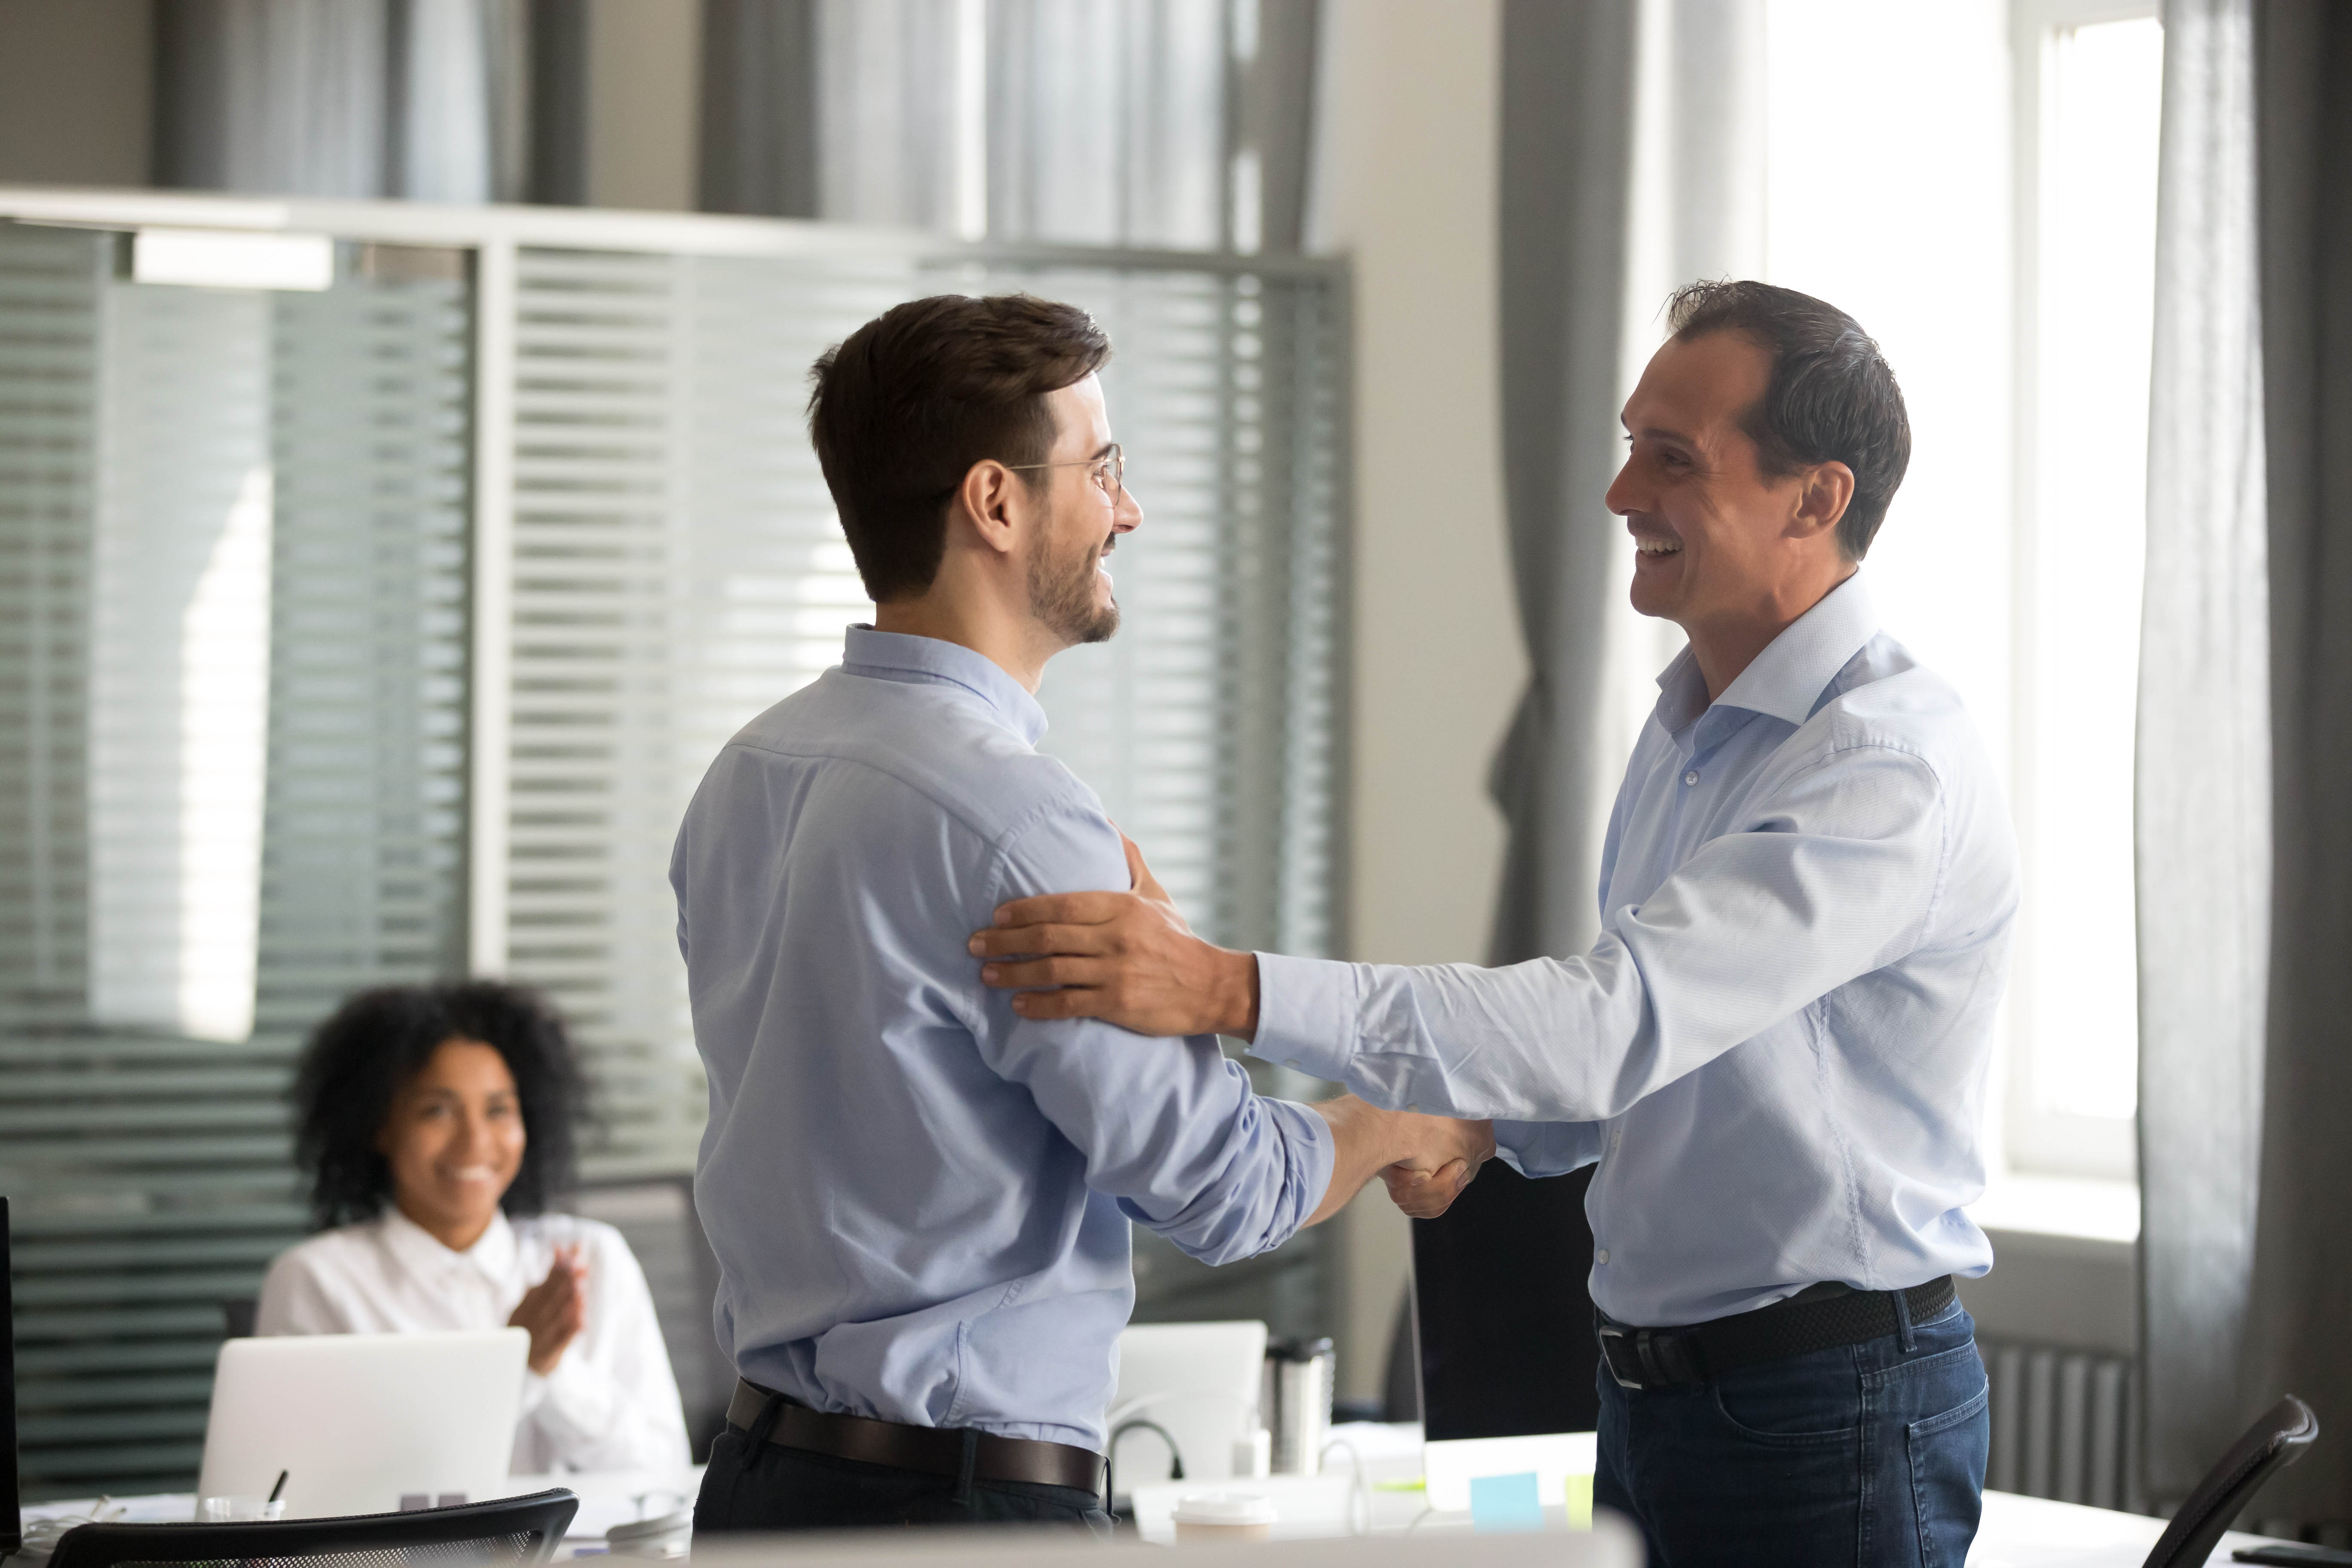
1223,1516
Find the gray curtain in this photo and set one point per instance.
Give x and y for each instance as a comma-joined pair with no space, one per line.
1177,123
1568,100
1575,319
360,99
2301,1320
2245,755
2203,822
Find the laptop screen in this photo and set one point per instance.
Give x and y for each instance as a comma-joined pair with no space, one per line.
1504,1320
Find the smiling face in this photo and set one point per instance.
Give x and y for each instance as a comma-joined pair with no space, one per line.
1716,539
1068,570
454,1139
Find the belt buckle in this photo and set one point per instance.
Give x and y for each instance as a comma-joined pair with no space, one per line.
1624,1339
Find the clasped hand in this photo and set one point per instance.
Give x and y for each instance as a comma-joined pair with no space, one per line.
1426,1181
555,1310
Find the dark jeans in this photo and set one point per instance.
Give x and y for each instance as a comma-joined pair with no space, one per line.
789,1488
1871,1454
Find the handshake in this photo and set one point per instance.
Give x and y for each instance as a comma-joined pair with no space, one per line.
1425,1161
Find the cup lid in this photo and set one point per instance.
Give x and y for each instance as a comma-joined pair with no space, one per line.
1225,1508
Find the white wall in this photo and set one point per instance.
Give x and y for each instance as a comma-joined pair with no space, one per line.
1405,185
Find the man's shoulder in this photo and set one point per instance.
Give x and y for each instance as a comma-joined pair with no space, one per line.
1885,698
913,748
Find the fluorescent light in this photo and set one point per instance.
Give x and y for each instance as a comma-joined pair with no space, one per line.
217,258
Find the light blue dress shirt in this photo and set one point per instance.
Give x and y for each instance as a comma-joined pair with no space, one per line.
1777,1050
920,1201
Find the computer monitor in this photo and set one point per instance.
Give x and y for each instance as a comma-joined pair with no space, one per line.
365,1423
11,1516
1199,1384
1504,1321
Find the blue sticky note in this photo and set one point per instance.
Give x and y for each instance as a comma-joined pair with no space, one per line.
1505,1505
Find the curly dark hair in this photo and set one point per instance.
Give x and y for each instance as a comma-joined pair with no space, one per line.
377,1040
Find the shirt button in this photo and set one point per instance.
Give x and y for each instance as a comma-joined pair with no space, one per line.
1691,777
1601,1256
1411,1109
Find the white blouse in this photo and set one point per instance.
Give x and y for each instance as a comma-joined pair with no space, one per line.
610,1403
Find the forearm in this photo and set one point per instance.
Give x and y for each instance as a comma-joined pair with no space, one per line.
1365,1140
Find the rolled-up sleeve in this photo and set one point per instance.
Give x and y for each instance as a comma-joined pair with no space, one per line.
1834,878
1171,1129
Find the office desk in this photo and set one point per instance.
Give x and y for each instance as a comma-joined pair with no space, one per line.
2018,1531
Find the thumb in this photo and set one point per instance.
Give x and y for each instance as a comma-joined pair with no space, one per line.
1140,874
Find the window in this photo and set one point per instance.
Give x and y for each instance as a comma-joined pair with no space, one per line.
1998,237
2088,92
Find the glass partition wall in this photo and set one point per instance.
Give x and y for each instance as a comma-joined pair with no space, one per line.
378,631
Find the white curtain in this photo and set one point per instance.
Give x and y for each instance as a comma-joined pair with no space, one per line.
2203,823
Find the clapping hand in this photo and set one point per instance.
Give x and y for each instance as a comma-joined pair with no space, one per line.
1425,1183
555,1310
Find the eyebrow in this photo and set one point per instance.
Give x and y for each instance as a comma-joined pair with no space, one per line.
1659,433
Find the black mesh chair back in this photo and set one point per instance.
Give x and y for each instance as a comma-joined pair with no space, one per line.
2270,1445
509,1533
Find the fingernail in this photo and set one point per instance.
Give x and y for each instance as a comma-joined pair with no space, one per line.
974,945
1002,919
988,973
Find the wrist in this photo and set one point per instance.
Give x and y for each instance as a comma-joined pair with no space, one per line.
1236,997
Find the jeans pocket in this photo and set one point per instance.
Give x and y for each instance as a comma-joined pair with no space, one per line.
1802,1402
1945,1452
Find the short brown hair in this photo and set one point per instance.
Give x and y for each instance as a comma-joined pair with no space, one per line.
902,408
1832,398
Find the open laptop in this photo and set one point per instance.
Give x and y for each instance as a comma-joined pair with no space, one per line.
365,1423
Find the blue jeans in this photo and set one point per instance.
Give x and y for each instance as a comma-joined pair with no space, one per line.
1871,1454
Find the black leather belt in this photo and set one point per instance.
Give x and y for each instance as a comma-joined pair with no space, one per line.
1819,1319
933,1450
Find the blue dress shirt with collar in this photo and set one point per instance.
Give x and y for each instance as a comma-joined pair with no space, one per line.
1777,1049
920,1201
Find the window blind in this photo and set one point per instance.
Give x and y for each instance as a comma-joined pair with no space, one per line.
678,568
231,712
236,756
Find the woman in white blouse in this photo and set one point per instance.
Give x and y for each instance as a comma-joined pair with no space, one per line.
435,1123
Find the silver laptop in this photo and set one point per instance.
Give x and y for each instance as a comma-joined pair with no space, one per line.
364,1423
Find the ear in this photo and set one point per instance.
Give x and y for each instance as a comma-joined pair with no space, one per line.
990,502
1823,493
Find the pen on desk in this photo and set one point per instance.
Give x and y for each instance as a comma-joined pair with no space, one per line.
279,1489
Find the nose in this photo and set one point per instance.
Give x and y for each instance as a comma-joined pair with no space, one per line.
1623,496
1127,516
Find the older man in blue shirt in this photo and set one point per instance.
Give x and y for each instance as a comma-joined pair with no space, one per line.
1775,1051
920,1200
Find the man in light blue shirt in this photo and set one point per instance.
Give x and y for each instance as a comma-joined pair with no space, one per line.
919,1200
1776,1050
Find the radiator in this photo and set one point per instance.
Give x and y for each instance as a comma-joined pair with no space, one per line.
2065,1424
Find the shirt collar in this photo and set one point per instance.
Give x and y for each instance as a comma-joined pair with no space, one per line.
896,656
1786,680
421,1252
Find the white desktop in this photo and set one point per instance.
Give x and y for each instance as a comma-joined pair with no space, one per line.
364,1423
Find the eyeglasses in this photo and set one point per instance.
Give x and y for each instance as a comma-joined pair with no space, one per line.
1107,471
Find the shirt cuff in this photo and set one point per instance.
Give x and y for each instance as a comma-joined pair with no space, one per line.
1306,1015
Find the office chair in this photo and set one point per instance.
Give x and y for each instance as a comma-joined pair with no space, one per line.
2270,1445
506,1532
